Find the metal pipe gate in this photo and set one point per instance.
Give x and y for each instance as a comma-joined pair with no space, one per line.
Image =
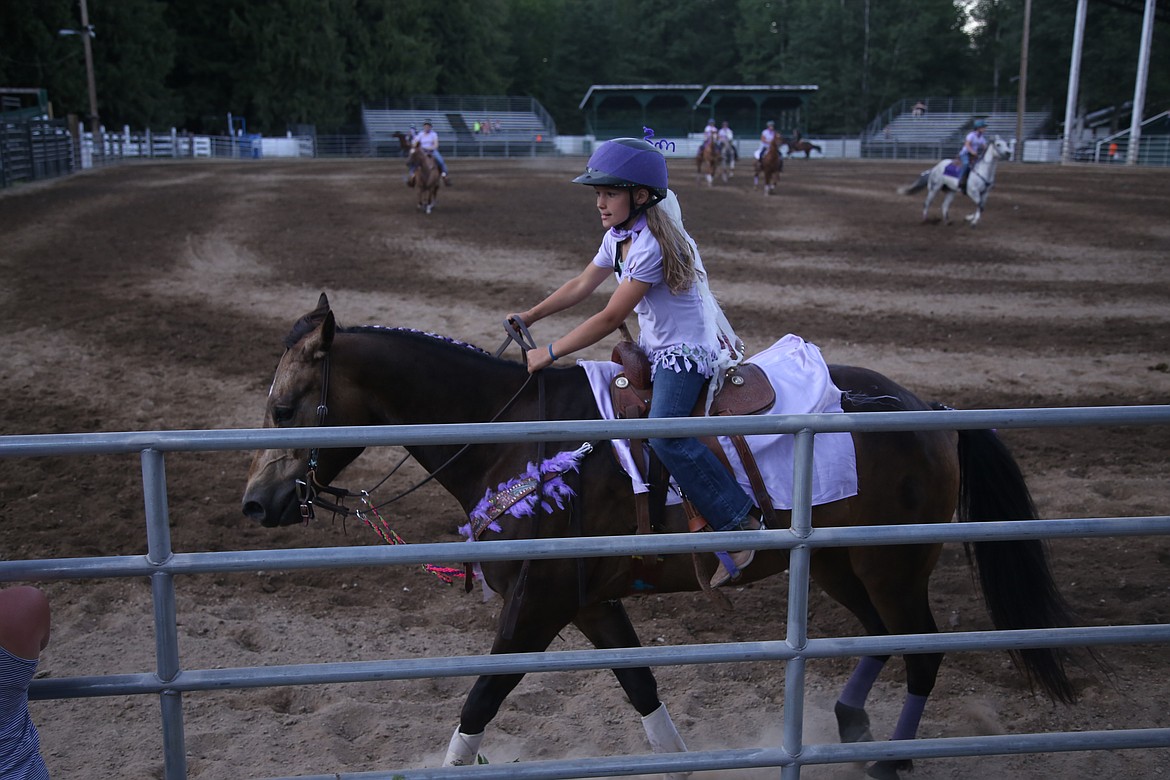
169,681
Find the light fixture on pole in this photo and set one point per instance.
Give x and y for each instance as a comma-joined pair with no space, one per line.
87,32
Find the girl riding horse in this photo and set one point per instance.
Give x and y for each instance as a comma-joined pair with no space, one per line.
682,329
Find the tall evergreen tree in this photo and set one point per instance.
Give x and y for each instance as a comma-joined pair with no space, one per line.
34,56
134,51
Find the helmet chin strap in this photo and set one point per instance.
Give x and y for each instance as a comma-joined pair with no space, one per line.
636,210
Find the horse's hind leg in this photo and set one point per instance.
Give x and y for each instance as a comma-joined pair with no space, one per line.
886,596
607,625
833,572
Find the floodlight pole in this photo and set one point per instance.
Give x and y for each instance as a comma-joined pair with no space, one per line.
86,33
1139,89
1074,81
1022,98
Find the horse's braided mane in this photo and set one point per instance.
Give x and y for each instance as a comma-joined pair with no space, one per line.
311,321
382,329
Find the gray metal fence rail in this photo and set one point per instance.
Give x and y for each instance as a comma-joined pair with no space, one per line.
169,681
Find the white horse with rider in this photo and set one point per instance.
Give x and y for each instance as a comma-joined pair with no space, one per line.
946,175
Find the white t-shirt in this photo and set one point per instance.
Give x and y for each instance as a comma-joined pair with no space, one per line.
671,328
428,140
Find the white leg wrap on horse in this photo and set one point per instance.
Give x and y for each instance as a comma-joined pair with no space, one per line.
464,749
664,737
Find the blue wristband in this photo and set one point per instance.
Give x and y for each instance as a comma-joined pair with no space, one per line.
551,354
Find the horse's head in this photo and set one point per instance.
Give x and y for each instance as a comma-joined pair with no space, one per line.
299,397
1000,148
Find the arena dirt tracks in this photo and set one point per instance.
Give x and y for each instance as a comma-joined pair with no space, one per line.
154,297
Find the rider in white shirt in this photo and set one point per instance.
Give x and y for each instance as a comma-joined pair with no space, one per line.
710,136
728,137
973,146
766,138
428,141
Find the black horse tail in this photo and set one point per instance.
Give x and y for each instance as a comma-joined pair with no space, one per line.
1014,575
923,180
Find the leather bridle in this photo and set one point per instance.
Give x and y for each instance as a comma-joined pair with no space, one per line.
309,489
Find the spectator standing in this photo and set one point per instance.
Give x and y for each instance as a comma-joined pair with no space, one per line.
24,633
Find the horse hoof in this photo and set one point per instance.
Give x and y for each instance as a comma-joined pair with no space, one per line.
852,724
888,770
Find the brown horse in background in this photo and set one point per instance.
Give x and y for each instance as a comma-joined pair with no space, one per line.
798,144
770,163
426,178
708,160
404,143
334,376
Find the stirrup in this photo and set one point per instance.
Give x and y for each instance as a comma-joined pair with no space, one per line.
732,564
739,561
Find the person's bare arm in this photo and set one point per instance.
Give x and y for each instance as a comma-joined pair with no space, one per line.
594,329
24,621
567,295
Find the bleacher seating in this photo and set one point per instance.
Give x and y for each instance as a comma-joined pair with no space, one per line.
932,128
454,127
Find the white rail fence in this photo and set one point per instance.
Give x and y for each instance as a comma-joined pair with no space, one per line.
162,565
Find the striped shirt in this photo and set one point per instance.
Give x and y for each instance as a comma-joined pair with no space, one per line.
20,745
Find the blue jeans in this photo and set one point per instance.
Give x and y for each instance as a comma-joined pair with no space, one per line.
965,159
703,478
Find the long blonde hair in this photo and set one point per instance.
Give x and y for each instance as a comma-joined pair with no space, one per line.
678,257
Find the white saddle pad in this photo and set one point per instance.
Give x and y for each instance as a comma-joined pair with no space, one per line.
801,378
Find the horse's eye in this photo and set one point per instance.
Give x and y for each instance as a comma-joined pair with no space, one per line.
282,414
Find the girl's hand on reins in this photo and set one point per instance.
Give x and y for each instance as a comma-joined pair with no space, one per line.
538,359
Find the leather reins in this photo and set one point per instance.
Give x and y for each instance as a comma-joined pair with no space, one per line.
310,489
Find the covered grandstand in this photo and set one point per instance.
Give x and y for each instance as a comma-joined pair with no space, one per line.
509,126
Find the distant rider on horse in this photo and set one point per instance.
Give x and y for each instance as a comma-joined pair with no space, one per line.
973,147
727,137
428,141
710,136
766,139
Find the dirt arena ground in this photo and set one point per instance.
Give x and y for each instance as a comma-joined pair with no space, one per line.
154,296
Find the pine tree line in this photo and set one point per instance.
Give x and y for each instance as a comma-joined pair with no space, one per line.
279,63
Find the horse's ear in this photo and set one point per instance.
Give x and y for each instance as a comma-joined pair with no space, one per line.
320,340
309,322
322,307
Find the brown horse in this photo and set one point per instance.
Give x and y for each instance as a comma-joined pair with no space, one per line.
798,144
708,160
770,163
404,143
426,178
337,376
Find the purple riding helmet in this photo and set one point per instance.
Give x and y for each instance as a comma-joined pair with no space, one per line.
628,163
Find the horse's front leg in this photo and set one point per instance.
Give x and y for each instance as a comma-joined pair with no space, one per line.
548,606
930,193
607,625
973,217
